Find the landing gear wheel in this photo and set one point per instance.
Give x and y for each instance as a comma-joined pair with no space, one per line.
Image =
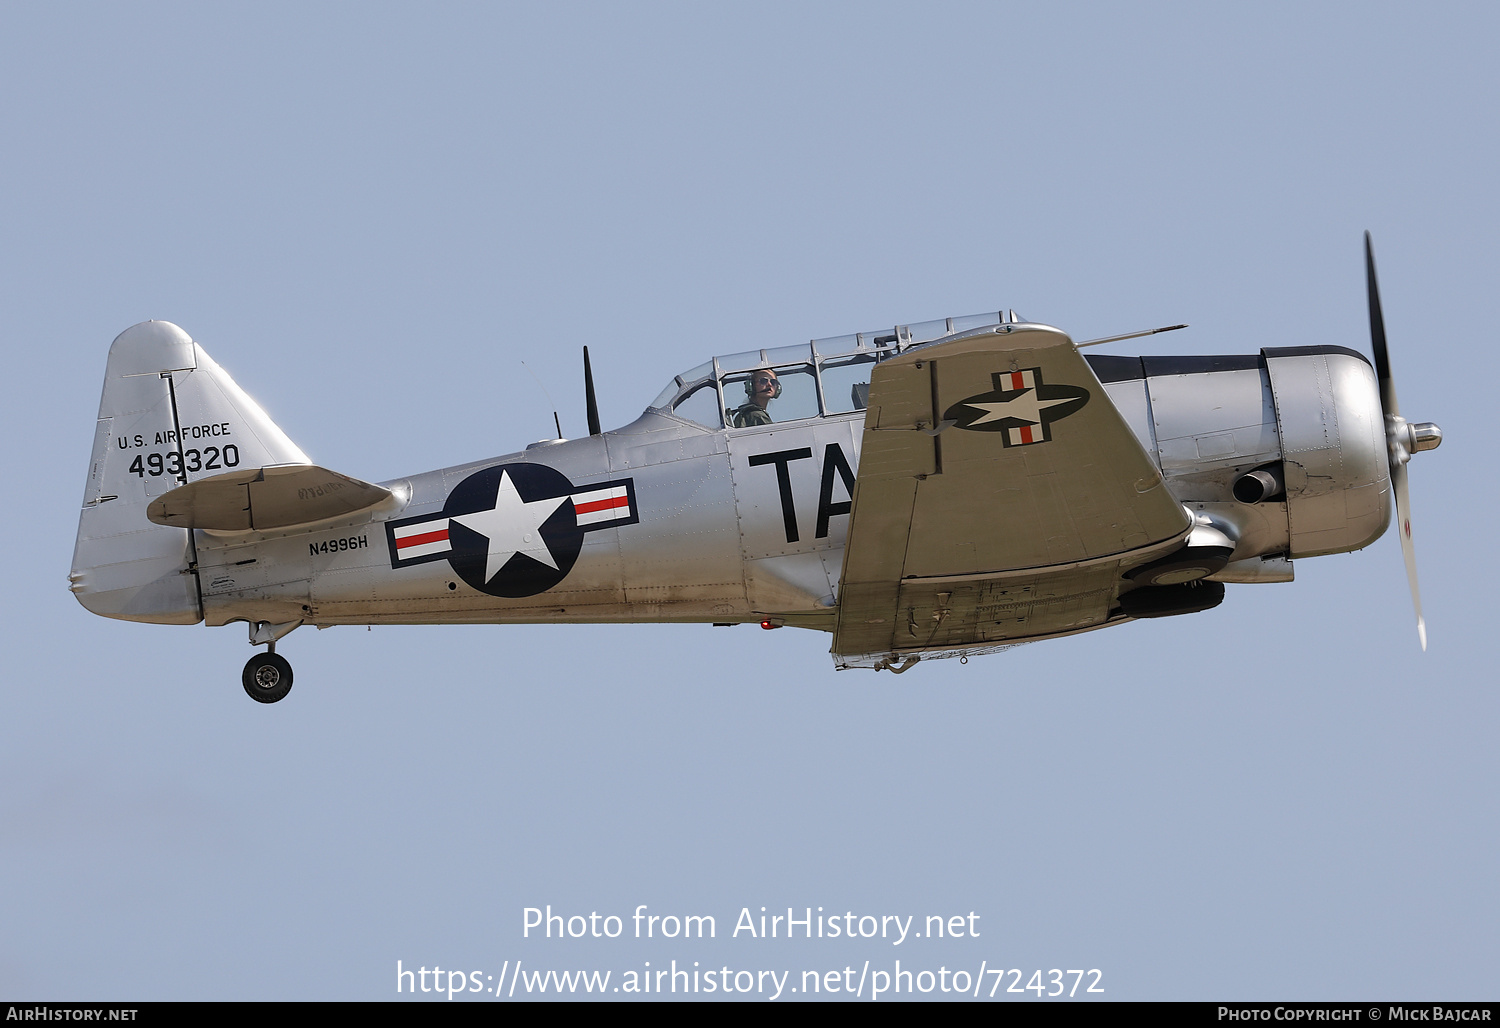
1188,564
1161,601
267,678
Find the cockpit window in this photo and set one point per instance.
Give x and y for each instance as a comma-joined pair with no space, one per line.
846,383
826,377
701,406
769,396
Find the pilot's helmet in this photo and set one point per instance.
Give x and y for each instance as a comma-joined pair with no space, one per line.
775,380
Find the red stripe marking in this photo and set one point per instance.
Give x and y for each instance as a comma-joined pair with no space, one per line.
1017,380
609,504
440,536
1026,434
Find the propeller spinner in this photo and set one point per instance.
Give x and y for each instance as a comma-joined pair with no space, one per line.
1403,438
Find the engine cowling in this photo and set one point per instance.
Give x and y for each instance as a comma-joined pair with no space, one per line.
1284,450
1333,448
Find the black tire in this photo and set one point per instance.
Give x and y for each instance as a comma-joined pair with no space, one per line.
1165,601
267,678
1186,565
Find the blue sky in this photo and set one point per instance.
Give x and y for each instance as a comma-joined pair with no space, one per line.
371,214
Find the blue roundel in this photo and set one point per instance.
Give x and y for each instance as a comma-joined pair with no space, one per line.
513,529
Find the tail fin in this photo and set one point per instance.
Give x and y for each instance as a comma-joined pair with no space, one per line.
168,415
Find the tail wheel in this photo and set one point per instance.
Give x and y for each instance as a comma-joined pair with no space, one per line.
267,678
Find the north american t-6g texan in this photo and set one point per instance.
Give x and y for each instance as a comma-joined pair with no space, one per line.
941,489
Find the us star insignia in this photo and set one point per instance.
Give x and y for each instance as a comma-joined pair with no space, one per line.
1020,406
512,529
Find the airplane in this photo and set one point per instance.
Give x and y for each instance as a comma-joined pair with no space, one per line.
940,489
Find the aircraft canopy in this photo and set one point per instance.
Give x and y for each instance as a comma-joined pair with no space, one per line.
824,377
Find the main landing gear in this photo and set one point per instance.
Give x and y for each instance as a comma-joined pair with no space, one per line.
267,676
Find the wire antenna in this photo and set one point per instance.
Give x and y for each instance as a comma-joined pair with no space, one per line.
557,424
588,394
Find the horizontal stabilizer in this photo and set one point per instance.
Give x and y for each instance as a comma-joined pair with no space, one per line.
263,499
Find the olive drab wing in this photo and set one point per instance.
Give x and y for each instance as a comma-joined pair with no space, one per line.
1001,496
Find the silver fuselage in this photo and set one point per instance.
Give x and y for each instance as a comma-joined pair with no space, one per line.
725,537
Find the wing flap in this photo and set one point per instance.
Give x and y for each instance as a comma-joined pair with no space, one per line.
985,457
263,499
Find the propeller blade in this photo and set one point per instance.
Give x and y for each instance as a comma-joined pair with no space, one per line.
1377,335
1408,551
1398,449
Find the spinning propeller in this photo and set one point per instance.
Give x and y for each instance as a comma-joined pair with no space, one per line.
1402,438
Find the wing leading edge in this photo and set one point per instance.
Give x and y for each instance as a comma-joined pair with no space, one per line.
1000,498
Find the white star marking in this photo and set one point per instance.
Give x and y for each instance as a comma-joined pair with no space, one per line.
1025,407
512,526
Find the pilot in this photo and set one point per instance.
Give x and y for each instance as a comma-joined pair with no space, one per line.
761,388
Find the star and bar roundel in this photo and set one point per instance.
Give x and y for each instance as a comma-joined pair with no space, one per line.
1020,406
513,529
